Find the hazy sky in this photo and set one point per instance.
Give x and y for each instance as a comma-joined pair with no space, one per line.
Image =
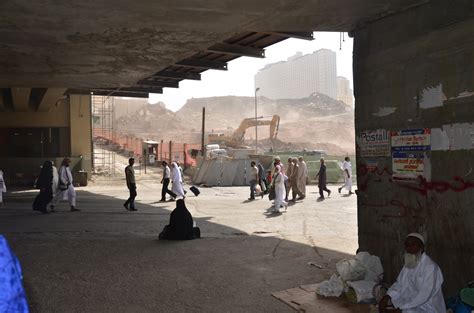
238,80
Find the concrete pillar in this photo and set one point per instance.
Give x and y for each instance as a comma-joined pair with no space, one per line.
80,117
50,98
21,99
415,70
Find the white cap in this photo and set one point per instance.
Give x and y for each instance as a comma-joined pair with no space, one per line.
417,235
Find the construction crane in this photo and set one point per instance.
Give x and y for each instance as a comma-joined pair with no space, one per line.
236,140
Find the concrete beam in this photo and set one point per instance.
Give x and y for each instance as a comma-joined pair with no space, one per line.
178,75
239,50
21,99
297,35
203,64
158,83
50,98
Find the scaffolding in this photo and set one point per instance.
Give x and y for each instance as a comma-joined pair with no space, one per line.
103,135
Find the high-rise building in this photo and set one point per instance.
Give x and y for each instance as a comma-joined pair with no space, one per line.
344,91
299,76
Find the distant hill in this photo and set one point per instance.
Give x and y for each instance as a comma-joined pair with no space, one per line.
316,122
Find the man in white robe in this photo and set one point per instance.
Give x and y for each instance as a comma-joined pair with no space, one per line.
302,175
418,286
66,189
347,172
3,187
177,181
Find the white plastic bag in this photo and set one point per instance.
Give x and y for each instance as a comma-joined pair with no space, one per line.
373,266
331,288
350,270
363,289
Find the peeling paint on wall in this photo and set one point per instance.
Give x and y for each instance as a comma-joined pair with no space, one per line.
459,136
432,97
384,111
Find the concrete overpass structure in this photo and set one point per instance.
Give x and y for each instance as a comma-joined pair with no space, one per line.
413,69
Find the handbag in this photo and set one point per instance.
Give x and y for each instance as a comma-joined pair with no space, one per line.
271,193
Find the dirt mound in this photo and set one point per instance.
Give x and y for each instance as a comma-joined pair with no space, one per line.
317,122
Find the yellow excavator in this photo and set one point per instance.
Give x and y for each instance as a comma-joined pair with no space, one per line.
236,140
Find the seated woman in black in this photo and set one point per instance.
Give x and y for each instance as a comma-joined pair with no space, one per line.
181,225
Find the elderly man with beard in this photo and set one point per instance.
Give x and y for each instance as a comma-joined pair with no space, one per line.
418,286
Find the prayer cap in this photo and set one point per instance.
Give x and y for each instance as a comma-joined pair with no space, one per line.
417,235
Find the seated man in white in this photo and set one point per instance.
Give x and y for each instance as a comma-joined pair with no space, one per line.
418,286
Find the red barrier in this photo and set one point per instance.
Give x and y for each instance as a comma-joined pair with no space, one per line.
167,151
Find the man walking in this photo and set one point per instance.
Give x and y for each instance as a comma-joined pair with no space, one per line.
294,181
322,180
289,173
253,179
347,172
166,181
302,175
65,187
262,180
131,185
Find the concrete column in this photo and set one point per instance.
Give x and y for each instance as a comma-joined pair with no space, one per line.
415,70
80,109
21,99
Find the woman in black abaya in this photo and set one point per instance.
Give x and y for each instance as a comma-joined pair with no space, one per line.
181,225
45,185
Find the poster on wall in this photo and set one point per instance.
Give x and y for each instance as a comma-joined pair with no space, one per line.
411,140
374,143
410,154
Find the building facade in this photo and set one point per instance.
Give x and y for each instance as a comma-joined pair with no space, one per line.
344,91
299,76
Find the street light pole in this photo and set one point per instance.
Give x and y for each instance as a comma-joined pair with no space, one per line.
256,134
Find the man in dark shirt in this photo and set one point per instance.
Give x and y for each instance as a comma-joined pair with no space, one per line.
131,185
166,181
322,180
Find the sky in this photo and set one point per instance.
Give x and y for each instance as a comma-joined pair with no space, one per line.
238,80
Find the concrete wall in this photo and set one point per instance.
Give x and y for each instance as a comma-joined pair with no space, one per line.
57,117
416,70
74,119
80,122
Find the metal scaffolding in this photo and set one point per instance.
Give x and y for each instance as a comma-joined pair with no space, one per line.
103,135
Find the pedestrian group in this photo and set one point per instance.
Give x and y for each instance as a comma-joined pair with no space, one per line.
281,183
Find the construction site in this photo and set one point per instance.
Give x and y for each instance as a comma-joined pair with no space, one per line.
74,84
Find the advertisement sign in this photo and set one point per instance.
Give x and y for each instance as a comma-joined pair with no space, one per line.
374,143
410,149
408,165
411,140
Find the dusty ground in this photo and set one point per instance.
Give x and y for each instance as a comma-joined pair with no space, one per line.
106,259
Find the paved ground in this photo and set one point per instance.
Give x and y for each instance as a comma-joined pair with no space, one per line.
106,259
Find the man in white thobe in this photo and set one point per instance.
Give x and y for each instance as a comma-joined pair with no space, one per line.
176,180
418,286
65,190
3,187
347,172
302,175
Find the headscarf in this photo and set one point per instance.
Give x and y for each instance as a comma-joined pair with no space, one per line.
181,222
45,178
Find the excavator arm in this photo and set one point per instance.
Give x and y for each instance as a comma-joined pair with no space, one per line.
237,138
274,123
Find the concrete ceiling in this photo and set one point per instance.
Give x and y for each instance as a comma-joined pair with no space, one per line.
51,43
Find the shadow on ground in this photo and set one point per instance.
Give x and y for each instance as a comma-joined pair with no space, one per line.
106,259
